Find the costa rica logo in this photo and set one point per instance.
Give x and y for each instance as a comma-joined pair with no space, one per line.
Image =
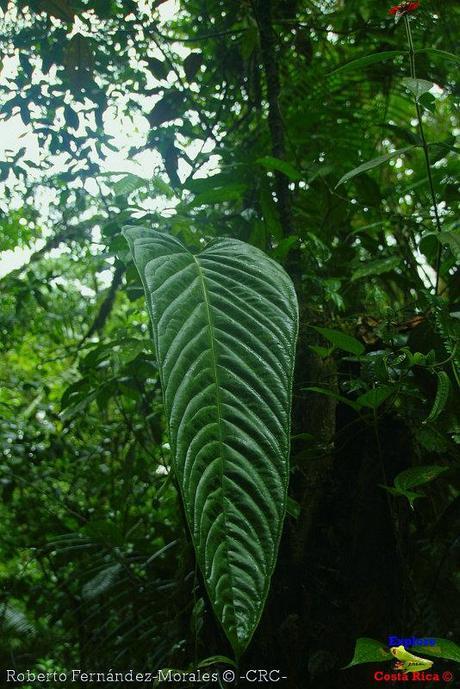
407,666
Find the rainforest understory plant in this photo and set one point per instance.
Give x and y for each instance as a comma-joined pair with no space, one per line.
225,327
261,468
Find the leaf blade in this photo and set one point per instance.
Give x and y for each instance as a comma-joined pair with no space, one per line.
367,60
230,456
371,164
375,397
377,267
443,648
442,395
439,53
418,476
271,163
368,651
341,340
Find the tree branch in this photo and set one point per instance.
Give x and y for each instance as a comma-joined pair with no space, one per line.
65,235
107,305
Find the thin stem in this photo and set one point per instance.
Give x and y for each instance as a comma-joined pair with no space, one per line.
263,16
425,149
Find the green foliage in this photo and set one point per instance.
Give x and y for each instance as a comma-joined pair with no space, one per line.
169,116
443,648
342,340
369,651
371,164
378,267
442,394
225,326
367,60
287,169
411,478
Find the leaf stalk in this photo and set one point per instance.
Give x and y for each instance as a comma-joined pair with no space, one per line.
425,149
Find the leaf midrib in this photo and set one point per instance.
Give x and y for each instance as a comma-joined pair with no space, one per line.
219,422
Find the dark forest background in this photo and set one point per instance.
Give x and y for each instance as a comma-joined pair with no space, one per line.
242,118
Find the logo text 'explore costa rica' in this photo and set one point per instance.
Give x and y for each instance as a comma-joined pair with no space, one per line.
410,641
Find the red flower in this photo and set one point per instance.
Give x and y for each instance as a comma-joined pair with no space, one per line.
404,7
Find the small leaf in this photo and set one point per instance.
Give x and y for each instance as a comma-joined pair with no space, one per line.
78,60
258,235
25,113
231,192
334,395
367,60
287,169
370,164
369,651
170,107
293,508
405,134
428,101
198,185
128,349
284,246
71,117
127,184
452,239
410,495
442,395
75,392
303,436
158,68
192,64
270,213
216,660
417,476
25,64
162,187
342,341
323,352
378,267
375,397
443,147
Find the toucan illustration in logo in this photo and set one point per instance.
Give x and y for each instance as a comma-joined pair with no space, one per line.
407,662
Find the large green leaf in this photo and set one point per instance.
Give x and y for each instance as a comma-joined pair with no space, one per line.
225,326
